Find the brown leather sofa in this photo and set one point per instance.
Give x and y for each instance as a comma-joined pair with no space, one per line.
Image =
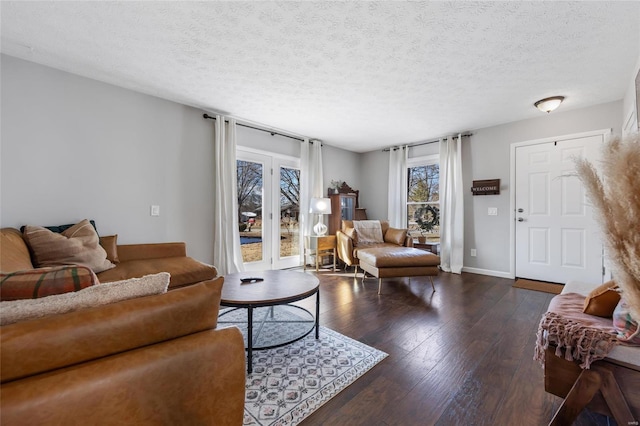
133,260
145,361
348,245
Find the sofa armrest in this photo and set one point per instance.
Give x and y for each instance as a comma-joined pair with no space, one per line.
198,379
408,242
49,343
345,248
151,251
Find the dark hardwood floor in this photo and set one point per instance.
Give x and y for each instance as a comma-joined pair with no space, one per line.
460,356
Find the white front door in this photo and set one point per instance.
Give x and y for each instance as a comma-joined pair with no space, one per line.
556,235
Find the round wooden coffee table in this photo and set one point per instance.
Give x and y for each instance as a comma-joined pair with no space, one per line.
279,323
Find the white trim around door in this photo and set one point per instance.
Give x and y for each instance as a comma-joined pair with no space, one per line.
605,133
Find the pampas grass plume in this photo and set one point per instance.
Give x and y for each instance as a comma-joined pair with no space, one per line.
614,191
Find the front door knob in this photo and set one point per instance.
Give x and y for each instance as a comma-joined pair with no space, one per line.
520,219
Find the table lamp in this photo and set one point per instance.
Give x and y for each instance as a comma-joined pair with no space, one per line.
320,206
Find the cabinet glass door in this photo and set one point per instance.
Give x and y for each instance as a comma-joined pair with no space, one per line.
347,207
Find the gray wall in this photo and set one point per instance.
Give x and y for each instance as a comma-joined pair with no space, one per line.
341,165
629,102
74,148
486,156
257,139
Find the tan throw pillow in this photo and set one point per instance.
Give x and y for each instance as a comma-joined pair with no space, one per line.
97,295
78,245
110,244
602,300
395,236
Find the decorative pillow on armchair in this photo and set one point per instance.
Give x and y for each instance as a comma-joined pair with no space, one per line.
395,236
77,245
42,282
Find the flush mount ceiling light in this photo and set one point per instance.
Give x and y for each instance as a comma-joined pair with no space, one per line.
549,104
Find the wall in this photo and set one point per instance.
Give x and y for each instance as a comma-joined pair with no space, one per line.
486,156
258,139
339,164
629,103
74,148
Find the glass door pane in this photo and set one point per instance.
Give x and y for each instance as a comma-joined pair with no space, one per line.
250,209
289,211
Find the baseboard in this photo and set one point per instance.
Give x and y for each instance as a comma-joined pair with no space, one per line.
489,272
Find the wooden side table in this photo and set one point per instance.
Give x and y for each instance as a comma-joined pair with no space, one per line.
433,247
319,246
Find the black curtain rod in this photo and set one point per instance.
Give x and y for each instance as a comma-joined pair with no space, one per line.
205,115
466,135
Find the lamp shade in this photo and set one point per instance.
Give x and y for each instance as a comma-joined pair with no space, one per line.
549,104
320,206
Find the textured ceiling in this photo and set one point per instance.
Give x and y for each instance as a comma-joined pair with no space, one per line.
358,75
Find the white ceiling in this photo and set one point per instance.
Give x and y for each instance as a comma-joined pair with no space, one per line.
358,75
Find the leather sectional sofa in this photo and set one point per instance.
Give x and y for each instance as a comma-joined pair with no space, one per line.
150,360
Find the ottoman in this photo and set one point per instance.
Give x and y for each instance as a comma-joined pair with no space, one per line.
394,262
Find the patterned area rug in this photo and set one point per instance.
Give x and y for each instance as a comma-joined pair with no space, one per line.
291,382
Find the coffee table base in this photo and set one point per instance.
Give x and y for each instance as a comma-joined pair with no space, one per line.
274,288
267,327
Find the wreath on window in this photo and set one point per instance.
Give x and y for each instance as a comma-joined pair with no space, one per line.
427,217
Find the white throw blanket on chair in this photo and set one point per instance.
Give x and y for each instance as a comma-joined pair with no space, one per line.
368,231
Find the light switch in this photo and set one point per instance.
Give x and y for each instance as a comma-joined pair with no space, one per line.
155,210
493,211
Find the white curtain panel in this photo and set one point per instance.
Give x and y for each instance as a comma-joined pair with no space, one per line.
451,205
311,182
227,255
397,201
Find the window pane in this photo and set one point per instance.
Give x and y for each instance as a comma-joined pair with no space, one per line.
289,212
424,183
249,175
423,201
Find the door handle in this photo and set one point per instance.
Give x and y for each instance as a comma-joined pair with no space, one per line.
520,219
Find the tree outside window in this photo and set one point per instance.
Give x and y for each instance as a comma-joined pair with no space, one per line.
423,201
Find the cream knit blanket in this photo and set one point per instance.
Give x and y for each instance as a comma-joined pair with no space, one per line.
368,231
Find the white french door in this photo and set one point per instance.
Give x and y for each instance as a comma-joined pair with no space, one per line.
556,236
268,209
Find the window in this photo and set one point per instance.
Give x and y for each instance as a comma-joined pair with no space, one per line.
423,197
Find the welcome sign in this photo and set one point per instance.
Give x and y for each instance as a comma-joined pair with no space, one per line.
486,187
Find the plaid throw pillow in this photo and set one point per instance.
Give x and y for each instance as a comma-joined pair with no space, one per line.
41,282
